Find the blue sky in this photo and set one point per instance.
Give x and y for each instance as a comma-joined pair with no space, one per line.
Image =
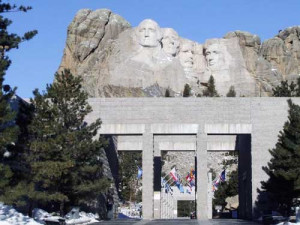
36,61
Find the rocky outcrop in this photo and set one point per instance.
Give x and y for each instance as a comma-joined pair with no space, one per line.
250,47
117,60
88,44
283,52
272,61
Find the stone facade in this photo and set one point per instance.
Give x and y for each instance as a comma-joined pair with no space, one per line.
160,124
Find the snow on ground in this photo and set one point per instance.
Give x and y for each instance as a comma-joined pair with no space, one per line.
39,215
93,218
10,216
131,210
288,223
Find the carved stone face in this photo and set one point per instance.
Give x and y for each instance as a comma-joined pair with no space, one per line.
148,33
170,42
186,54
213,56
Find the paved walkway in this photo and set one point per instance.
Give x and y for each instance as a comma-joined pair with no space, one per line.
177,222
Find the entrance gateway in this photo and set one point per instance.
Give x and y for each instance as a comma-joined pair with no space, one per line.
152,125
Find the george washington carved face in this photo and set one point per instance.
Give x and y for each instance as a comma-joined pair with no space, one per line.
148,33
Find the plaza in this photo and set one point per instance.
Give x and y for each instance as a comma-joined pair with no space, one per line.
181,222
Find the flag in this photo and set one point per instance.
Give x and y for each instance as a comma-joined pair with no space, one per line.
219,180
181,189
214,188
216,183
192,173
179,186
223,176
192,183
166,186
140,173
168,189
173,174
189,189
188,178
163,182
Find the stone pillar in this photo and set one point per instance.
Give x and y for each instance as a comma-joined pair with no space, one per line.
175,212
147,195
210,196
162,205
167,206
157,193
202,213
170,206
157,211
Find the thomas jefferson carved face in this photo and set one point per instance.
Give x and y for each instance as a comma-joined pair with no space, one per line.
213,55
186,54
170,42
149,33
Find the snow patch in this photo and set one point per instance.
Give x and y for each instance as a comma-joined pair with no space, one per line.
10,216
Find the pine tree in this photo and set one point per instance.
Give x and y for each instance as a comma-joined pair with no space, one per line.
226,189
283,185
229,188
186,91
287,90
211,91
64,155
231,92
297,91
128,170
18,191
8,128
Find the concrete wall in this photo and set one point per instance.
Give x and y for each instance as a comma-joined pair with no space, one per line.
263,118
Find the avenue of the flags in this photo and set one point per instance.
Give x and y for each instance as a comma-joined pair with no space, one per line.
183,185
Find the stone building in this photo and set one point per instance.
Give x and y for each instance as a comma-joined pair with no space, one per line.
200,125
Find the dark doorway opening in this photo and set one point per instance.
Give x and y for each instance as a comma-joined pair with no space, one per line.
186,209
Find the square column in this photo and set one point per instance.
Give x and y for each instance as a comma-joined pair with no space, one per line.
201,198
148,195
210,197
157,179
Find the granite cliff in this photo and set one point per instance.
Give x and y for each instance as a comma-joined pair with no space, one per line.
117,60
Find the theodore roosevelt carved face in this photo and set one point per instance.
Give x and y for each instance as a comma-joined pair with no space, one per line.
149,33
170,42
186,54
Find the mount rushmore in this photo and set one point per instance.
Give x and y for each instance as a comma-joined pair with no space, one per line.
117,60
